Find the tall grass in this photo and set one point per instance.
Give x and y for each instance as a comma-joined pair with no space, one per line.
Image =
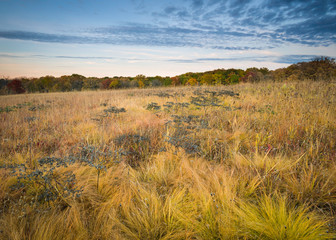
260,165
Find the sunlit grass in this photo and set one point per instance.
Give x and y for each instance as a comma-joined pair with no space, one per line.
258,166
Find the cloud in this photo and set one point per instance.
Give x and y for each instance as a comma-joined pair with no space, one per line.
290,59
6,55
225,59
197,3
213,24
169,10
237,48
311,23
286,59
140,34
43,37
283,59
316,31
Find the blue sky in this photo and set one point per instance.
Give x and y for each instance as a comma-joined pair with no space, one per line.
130,37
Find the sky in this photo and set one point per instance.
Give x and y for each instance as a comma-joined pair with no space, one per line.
160,37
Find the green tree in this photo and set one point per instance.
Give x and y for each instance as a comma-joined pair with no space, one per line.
184,79
91,83
63,84
218,78
233,78
167,81
115,83
46,83
76,81
207,79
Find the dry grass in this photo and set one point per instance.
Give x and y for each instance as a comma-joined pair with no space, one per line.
259,166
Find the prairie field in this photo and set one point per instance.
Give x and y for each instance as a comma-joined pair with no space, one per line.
245,161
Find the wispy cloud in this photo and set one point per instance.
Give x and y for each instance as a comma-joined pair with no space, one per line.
44,37
197,3
140,34
213,24
291,21
6,55
287,59
290,59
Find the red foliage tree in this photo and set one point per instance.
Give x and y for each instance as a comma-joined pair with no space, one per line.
250,76
15,86
105,84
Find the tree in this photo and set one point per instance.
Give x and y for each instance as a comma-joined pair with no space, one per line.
76,81
15,86
114,83
3,88
319,69
155,83
63,84
124,82
46,83
3,84
218,78
264,70
279,74
207,79
105,84
31,85
167,81
184,79
233,78
141,79
252,75
141,84
175,81
192,82
134,84
91,83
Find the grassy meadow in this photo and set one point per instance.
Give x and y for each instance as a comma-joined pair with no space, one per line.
246,161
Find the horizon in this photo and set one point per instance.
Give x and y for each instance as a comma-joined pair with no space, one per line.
153,76
160,38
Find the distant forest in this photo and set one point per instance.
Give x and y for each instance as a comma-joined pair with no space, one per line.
318,69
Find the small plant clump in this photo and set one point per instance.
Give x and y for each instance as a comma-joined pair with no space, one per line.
97,158
153,106
111,111
134,147
163,95
8,109
114,110
45,179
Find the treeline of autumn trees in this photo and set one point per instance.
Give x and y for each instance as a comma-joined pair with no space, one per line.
322,68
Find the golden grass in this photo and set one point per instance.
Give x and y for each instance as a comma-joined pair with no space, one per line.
265,166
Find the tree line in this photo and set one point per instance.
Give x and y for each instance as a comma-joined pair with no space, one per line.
318,69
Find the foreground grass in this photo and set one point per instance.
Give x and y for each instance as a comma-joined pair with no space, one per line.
260,165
